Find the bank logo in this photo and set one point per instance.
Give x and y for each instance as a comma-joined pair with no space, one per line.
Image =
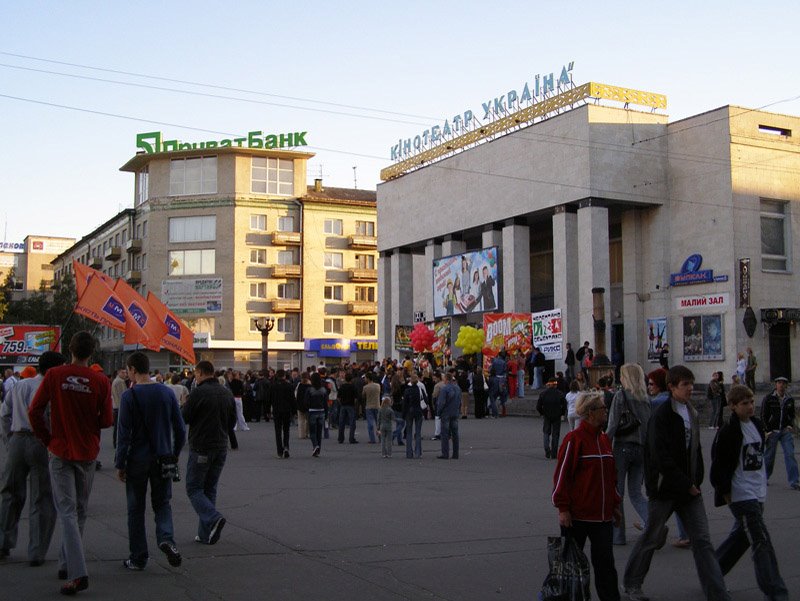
173,327
115,309
139,316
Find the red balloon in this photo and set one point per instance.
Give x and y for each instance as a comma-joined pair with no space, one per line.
422,338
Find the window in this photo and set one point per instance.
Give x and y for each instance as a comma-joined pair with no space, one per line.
286,223
144,229
189,262
334,293
365,294
116,239
365,228
333,226
258,290
287,290
333,326
365,261
193,229
258,223
365,327
258,256
774,235
142,185
285,325
286,257
272,176
333,260
197,175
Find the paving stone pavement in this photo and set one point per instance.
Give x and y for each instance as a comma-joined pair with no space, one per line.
351,526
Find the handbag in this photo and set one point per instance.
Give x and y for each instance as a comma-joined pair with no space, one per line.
568,579
627,422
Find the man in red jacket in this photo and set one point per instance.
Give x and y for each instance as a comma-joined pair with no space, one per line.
79,399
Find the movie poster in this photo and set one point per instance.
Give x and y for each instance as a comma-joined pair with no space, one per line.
656,337
702,338
466,283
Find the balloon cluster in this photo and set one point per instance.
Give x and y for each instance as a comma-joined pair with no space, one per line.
422,338
470,340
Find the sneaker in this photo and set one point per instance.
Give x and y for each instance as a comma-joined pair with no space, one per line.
197,539
216,531
129,564
436,437
73,586
795,486
286,453
353,442
636,594
316,452
171,551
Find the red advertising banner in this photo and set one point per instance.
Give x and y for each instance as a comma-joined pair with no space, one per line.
509,330
23,344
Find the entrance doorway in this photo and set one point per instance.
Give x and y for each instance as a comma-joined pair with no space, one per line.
780,353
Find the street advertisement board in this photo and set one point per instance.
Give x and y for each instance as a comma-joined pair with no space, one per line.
656,337
547,333
23,344
199,296
466,283
511,331
702,338
441,345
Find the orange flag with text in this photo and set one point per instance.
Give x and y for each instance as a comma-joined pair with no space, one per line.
179,338
83,273
99,303
148,329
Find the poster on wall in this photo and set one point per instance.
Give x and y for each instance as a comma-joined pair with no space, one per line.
402,339
23,344
547,335
466,283
511,331
441,345
199,296
702,338
656,337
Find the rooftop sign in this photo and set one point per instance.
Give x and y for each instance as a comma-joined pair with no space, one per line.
151,142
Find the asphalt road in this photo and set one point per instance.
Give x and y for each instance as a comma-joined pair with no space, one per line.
351,526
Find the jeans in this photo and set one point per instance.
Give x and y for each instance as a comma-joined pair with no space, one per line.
283,423
521,383
240,423
138,474
316,424
202,475
602,555
72,485
551,428
693,513
372,419
399,427
629,459
414,420
538,373
27,456
347,415
449,428
749,520
786,439
386,441
569,373
115,413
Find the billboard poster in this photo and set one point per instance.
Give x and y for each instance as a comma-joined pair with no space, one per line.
466,283
402,339
702,338
509,330
441,346
22,344
656,337
547,334
200,296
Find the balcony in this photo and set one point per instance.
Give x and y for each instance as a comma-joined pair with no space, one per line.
134,245
96,262
286,305
113,253
286,238
360,241
286,271
133,276
362,308
358,274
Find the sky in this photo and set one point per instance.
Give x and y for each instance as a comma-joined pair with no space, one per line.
79,79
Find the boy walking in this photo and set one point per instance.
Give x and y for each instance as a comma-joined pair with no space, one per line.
739,476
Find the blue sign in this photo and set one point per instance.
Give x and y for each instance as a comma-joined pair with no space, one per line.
692,274
329,347
114,309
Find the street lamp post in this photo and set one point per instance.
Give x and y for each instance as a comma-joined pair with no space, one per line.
264,325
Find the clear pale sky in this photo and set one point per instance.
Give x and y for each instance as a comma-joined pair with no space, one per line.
420,61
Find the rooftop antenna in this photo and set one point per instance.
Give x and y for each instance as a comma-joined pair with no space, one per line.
355,179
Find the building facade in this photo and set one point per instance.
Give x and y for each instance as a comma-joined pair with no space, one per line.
689,227
30,261
228,235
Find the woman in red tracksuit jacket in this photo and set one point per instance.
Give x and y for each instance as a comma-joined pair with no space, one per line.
585,491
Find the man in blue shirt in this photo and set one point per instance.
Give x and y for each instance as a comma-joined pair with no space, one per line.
448,404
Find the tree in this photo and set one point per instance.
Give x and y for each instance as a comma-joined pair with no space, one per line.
5,294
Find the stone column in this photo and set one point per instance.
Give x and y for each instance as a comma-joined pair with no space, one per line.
453,245
633,288
516,276
402,294
593,267
492,236
385,328
566,253
433,251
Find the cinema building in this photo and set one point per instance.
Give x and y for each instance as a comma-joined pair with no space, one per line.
227,233
689,227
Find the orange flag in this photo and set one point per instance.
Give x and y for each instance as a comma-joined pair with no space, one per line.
99,303
84,272
179,338
148,329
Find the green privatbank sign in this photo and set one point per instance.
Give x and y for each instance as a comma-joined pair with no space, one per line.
151,142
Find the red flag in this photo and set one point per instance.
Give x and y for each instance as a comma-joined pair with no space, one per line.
179,338
84,272
149,329
99,303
